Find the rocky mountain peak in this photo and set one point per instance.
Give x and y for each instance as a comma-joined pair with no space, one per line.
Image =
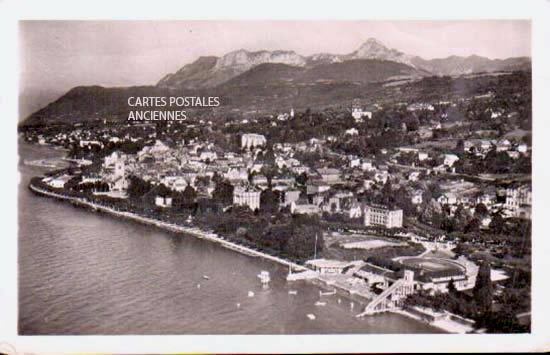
373,44
244,60
374,49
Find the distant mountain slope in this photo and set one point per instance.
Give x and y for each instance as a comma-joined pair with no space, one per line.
455,65
354,71
33,99
201,73
359,70
266,73
85,102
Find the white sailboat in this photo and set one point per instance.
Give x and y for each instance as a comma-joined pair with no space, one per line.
328,293
264,277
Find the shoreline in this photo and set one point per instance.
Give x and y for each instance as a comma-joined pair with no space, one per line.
447,326
194,231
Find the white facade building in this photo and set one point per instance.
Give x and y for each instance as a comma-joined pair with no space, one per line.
450,159
252,140
383,216
246,196
163,201
518,201
307,208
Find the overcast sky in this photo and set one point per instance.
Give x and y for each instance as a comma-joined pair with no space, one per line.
58,55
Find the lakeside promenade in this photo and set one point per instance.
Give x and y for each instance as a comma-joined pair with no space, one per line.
194,231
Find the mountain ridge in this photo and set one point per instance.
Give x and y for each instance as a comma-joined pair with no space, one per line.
224,68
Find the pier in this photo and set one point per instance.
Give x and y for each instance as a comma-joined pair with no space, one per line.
391,298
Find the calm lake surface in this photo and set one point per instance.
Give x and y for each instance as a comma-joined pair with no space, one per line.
88,273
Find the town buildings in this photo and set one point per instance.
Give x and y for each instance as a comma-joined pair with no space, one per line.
328,267
329,175
357,112
57,182
302,207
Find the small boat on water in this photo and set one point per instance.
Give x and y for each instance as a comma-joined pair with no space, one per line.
292,292
328,293
311,316
264,276
319,303
206,277
250,294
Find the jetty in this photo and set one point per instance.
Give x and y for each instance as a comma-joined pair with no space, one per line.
304,275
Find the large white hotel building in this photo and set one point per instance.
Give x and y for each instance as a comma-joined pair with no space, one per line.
376,215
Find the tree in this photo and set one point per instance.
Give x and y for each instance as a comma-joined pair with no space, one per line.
302,178
223,192
473,226
189,195
269,155
435,190
459,149
269,201
186,199
306,240
504,321
73,183
268,171
464,249
163,190
461,217
481,210
497,223
448,224
387,196
452,289
138,187
483,289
